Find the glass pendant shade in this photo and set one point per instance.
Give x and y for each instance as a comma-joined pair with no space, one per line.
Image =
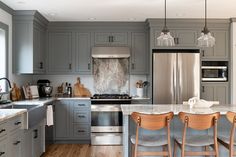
165,38
206,39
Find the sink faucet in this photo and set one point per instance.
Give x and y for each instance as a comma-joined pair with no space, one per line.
9,84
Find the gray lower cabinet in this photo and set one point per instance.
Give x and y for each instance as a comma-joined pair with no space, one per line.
83,53
221,48
60,52
111,38
72,122
29,42
215,92
139,57
3,147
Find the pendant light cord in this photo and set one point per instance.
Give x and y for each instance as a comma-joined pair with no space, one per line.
206,13
165,13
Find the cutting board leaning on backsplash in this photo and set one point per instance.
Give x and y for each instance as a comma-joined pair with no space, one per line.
80,90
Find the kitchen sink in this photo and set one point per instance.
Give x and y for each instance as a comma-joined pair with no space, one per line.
35,113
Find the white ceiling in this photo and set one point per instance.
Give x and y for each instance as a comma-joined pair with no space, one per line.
124,10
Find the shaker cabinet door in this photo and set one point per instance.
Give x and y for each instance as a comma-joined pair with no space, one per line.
60,52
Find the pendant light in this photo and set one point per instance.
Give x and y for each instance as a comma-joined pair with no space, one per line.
206,39
165,39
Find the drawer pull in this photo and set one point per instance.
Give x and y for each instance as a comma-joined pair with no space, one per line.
2,153
2,130
35,133
80,116
16,143
81,131
17,123
81,104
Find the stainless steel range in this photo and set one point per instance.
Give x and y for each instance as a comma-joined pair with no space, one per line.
106,118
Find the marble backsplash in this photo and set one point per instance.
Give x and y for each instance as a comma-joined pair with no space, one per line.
111,75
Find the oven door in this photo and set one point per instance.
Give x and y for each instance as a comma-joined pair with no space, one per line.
106,118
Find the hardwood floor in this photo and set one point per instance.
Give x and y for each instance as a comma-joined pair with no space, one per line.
82,150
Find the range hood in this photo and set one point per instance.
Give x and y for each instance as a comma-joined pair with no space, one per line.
110,52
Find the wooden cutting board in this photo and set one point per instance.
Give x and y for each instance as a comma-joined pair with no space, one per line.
80,90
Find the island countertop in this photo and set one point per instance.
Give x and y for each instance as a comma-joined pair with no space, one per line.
176,108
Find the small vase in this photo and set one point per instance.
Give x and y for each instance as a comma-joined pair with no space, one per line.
140,92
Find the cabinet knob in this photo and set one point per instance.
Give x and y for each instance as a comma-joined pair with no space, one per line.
203,53
41,65
89,66
81,104
112,38
81,116
70,66
203,89
17,123
35,133
16,143
132,66
2,153
1,131
81,131
109,38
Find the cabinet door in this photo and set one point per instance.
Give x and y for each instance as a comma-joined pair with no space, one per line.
221,48
83,53
36,54
60,52
215,92
62,112
3,148
15,144
102,38
139,56
186,37
119,39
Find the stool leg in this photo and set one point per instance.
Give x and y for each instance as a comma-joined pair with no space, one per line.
169,150
132,150
175,148
206,149
217,149
164,149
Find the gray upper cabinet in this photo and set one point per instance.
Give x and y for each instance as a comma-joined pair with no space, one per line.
29,42
83,53
182,37
215,92
221,48
111,39
60,52
139,57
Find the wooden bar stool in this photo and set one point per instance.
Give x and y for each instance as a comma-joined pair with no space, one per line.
229,142
151,122
198,122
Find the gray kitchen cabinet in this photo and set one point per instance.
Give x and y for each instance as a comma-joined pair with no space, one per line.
62,120
182,37
139,56
15,144
60,52
221,48
72,121
111,38
215,92
3,147
83,53
29,42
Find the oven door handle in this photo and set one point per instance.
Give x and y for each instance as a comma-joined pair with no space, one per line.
105,108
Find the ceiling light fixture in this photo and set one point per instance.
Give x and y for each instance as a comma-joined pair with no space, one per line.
165,39
206,39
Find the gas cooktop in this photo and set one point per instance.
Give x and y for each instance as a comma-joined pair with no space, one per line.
110,96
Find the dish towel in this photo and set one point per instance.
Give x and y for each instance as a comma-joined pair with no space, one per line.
49,115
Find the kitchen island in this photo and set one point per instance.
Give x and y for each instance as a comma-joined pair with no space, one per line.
176,126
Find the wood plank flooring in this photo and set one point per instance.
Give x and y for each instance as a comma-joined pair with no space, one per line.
82,150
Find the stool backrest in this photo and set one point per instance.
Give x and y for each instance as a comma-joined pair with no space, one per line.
199,121
231,116
152,121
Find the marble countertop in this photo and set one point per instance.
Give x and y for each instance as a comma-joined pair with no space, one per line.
9,113
176,108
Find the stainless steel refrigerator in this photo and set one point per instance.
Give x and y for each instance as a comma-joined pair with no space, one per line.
176,76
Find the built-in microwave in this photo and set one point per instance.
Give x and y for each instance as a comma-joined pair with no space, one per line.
213,73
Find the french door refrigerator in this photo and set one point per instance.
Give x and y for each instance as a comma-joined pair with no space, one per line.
176,76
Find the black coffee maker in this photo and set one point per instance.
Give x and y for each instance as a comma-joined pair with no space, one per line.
44,88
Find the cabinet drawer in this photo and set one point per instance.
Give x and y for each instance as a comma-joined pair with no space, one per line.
81,131
3,148
3,129
15,123
81,105
81,117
